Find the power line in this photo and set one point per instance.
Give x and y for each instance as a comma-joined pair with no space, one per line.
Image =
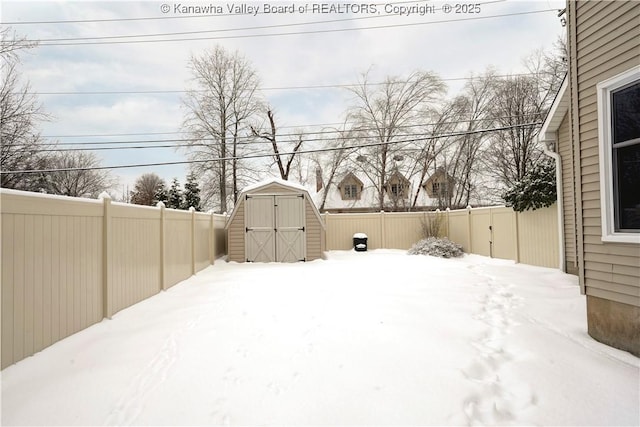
335,30
328,86
253,137
168,133
223,30
256,156
95,135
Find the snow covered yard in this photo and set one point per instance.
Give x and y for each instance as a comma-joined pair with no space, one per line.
361,338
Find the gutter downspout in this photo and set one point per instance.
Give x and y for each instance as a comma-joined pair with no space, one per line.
549,146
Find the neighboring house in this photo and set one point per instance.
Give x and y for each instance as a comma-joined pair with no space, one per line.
351,194
593,129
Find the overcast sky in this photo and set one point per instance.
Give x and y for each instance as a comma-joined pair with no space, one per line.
451,44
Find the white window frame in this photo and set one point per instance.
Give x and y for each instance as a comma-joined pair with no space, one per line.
607,212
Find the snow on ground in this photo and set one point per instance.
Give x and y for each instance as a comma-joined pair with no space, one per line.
361,338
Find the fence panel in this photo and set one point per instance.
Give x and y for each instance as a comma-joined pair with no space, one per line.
51,271
135,254
538,237
504,234
177,246
480,231
458,228
202,244
402,230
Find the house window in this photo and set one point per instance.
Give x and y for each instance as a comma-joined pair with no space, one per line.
438,188
350,192
619,145
397,190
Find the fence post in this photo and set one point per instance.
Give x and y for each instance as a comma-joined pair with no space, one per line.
163,257
447,215
192,210
517,234
212,238
107,286
326,231
469,233
382,230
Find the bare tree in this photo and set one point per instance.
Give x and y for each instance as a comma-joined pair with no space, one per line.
330,165
384,114
218,110
473,110
442,122
19,114
11,43
519,102
77,183
280,149
146,189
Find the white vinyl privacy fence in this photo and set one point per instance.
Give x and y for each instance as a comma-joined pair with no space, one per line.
529,237
67,263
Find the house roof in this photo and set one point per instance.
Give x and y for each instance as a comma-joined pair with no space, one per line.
556,113
437,174
350,175
368,196
398,176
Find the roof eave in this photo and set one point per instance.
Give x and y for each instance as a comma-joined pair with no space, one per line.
556,113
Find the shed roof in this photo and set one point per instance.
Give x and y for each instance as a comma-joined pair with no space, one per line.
286,185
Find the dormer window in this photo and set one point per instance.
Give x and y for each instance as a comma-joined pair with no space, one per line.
439,184
350,187
397,186
439,188
350,192
397,190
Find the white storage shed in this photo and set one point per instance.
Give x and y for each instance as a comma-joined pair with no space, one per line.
275,221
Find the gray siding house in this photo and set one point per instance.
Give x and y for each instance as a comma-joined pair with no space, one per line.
594,130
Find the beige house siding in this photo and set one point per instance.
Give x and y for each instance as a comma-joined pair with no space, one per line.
607,42
314,230
568,196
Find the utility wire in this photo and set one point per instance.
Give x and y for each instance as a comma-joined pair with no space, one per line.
328,86
223,30
252,138
256,156
335,30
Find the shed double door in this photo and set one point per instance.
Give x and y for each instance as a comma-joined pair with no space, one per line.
275,228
